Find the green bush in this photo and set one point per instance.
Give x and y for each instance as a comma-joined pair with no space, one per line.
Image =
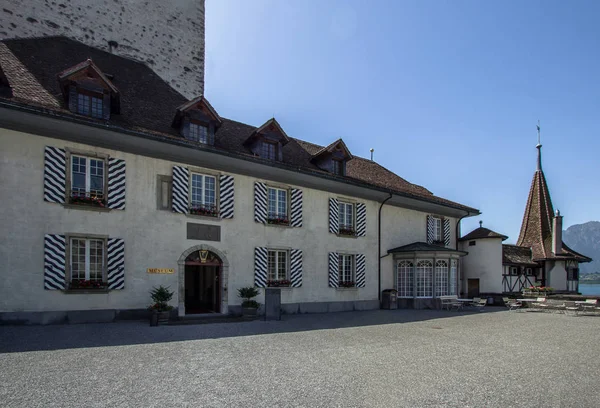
247,294
160,298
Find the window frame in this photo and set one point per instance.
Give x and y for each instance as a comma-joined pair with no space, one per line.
160,191
337,167
277,219
441,278
405,285
280,281
204,208
69,172
198,125
273,144
515,269
343,260
69,257
424,291
90,95
453,277
352,227
437,229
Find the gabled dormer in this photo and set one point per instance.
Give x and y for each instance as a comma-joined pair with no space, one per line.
88,91
197,120
268,140
333,158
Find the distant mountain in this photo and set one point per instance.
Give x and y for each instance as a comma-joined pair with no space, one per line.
585,239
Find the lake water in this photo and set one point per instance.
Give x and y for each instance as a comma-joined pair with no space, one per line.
587,289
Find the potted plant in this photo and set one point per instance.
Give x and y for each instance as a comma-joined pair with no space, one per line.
160,307
249,305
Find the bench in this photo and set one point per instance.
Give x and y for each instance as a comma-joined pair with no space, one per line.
450,302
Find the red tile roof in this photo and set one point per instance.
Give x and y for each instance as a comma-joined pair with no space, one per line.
149,104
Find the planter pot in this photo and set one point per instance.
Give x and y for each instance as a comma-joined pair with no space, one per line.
249,311
159,318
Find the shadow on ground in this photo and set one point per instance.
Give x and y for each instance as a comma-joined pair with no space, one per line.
56,337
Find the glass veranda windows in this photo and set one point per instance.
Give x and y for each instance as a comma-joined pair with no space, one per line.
405,279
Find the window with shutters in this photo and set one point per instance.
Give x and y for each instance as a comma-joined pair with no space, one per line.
441,278
424,279
198,133
405,279
453,277
203,195
87,260
437,231
278,268
277,206
87,180
347,267
90,104
346,218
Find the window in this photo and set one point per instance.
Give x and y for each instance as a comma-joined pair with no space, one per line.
278,268
278,206
437,229
203,195
424,279
441,278
346,269
472,243
268,150
87,180
338,167
163,192
514,270
198,133
405,279
453,277
89,105
528,271
87,263
346,218
573,274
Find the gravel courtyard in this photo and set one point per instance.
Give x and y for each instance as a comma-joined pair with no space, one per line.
398,358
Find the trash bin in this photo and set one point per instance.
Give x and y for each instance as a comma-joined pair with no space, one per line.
389,299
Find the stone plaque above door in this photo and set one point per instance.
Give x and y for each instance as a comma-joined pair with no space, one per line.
203,232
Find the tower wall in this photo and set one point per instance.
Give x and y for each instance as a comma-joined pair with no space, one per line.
168,36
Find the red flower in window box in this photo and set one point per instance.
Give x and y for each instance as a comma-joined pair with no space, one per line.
278,219
347,284
279,283
347,231
87,284
209,210
87,199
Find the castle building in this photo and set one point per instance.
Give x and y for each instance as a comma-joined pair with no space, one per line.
113,182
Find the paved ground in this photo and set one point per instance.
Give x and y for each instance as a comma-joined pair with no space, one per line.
356,359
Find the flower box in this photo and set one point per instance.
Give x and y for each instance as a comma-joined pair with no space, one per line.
281,283
83,199
278,220
206,210
87,284
347,284
347,231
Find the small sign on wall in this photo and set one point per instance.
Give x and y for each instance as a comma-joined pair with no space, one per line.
160,270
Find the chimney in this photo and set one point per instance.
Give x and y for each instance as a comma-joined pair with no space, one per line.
371,150
557,233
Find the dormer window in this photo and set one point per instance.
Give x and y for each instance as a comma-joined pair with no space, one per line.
338,167
333,158
268,150
267,141
197,121
88,91
198,133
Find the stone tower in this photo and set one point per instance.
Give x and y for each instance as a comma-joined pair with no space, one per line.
166,35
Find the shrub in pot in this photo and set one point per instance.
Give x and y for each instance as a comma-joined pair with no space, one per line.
249,305
160,305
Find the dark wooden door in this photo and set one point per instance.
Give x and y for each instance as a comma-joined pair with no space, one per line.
472,288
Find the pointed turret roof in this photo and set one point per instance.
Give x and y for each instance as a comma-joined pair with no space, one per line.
536,229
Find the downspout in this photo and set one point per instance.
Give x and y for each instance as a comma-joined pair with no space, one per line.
379,248
458,226
459,272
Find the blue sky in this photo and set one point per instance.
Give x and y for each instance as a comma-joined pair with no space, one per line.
448,93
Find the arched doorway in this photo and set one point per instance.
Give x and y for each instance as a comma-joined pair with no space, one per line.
202,281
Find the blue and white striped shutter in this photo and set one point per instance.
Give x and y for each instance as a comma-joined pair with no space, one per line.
447,232
226,196
334,216
334,269
260,267
116,184
116,263
181,177
55,172
54,261
430,228
360,271
260,202
361,220
296,267
296,207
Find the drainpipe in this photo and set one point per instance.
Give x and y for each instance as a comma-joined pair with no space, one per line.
379,248
459,263
458,226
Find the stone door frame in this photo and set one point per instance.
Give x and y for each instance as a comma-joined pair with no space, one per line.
181,276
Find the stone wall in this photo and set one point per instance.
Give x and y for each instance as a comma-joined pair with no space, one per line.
168,36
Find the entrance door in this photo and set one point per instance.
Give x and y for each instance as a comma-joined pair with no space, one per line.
202,289
472,288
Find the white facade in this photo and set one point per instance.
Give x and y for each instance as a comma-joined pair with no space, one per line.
157,238
556,275
484,262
